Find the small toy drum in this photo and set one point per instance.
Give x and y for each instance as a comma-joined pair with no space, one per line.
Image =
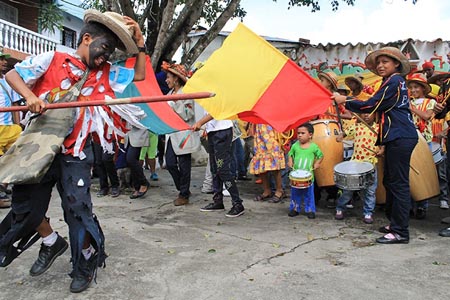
354,175
300,179
436,149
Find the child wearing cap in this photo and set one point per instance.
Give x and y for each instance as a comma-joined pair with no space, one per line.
397,133
47,78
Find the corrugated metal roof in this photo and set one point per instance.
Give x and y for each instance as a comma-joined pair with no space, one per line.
227,33
72,7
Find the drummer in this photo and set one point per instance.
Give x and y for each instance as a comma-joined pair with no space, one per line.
437,127
337,113
422,111
304,155
365,150
397,133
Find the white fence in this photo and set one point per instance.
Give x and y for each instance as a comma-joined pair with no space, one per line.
20,39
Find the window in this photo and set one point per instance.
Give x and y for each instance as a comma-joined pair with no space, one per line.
8,13
69,38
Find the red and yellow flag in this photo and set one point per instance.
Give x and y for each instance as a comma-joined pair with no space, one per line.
257,83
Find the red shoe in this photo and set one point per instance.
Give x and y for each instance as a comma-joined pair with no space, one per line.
258,181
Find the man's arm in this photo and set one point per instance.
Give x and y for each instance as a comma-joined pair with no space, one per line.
139,66
16,82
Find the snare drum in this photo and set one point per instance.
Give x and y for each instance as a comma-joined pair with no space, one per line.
300,179
354,175
436,149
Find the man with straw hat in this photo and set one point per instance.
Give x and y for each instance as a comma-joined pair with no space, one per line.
356,86
80,76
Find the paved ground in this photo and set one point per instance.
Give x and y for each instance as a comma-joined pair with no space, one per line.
158,251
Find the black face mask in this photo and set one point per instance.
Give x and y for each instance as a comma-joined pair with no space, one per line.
100,50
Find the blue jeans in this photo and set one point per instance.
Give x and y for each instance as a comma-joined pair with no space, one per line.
308,198
368,196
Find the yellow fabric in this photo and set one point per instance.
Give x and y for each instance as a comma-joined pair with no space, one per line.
238,73
8,135
364,148
424,105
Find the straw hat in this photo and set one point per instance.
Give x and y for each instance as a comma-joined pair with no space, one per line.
176,69
116,24
420,79
3,54
395,53
330,76
356,78
438,76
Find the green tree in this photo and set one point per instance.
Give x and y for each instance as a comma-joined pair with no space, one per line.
168,22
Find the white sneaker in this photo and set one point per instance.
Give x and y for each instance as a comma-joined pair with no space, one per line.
443,204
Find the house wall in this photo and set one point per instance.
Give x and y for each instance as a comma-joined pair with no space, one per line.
27,13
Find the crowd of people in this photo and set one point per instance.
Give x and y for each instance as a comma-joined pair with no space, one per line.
364,129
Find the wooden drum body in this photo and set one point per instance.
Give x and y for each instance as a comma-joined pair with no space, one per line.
325,134
423,177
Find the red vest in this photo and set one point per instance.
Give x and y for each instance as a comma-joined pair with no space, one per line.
57,73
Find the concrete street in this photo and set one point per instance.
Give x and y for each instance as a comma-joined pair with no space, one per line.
158,251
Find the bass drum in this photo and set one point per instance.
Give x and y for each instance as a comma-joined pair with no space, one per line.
423,177
325,134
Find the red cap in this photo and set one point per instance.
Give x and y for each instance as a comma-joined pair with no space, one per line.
427,65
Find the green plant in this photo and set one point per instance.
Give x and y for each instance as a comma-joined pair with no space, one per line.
50,17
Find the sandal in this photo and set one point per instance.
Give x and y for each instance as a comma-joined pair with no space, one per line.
277,199
262,197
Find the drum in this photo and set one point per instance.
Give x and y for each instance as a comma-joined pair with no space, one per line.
300,179
423,178
348,150
325,134
436,150
354,175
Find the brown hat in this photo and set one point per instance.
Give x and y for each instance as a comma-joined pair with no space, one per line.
116,24
176,69
356,78
419,78
330,76
395,53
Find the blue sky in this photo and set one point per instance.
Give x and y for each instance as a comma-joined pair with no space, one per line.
366,21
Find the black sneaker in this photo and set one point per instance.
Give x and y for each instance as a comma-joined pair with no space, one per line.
235,211
102,192
293,213
115,192
82,280
47,256
311,215
213,207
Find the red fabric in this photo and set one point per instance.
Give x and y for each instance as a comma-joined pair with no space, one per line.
301,100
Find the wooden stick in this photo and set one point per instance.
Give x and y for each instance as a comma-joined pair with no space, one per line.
130,100
365,123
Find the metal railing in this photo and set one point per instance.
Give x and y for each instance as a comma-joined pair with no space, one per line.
20,39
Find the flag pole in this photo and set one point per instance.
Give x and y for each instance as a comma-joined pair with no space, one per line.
118,101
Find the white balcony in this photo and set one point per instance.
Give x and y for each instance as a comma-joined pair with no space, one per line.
20,39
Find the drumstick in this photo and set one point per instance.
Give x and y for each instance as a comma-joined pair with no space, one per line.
374,152
364,122
412,168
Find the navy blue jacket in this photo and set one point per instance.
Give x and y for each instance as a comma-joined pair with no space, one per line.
392,102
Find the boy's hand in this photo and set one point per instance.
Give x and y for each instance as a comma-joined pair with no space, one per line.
137,36
316,165
340,137
380,151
